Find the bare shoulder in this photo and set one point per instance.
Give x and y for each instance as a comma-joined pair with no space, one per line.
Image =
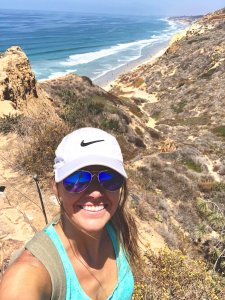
27,278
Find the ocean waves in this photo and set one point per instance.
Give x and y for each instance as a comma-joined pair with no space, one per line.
90,45
121,54
85,58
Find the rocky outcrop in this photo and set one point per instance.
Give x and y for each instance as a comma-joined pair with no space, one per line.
17,81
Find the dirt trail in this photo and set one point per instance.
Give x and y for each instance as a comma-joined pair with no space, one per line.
20,209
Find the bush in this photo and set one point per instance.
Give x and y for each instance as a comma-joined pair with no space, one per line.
110,124
41,131
133,108
179,107
156,114
172,183
214,218
194,121
172,275
37,151
138,82
219,131
9,123
80,113
192,165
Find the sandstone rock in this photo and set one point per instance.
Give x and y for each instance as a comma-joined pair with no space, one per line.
17,81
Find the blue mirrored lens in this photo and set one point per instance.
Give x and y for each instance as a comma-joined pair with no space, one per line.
110,180
77,182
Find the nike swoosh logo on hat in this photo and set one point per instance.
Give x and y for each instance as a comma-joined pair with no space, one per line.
83,144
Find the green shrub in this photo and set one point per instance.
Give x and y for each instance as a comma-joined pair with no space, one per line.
220,187
179,107
212,213
171,275
156,115
219,131
80,113
192,165
68,96
95,108
200,120
110,124
214,219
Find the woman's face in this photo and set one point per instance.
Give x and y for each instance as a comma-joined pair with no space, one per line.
91,209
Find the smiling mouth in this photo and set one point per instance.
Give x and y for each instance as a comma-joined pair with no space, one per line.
93,208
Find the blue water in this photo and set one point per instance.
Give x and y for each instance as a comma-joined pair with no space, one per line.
57,43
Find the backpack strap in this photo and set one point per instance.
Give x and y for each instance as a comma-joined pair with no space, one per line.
42,247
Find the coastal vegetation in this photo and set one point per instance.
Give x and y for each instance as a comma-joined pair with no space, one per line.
171,274
173,144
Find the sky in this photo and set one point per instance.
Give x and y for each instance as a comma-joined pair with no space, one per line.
122,7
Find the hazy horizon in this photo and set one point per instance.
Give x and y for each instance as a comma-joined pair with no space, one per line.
119,7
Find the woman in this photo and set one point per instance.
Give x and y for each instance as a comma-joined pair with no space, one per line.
87,252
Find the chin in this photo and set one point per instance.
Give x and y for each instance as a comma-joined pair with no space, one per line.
91,225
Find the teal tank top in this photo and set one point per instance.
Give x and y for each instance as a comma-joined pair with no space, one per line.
74,291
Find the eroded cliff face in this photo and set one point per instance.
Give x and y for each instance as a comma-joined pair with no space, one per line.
185,104
17,80
174,105
188,85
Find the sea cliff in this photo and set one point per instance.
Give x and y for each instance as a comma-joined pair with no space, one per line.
169,117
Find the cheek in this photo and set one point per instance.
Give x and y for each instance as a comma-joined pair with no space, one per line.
114,199
67,199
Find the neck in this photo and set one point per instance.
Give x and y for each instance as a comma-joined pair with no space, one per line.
86,245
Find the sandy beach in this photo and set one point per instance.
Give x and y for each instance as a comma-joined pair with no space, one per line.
107,81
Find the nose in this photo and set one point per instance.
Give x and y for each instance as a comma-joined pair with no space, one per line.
95,189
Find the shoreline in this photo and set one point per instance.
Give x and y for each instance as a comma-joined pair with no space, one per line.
106,80
109,79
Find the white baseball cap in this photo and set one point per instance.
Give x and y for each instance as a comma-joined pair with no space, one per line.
85,147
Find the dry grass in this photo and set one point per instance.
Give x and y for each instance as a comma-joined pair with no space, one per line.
138,82
42,131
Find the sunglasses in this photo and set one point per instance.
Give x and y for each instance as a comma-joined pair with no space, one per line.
78,181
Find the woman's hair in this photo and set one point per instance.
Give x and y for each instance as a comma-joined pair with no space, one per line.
126,228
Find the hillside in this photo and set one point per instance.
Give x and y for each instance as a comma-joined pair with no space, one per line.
185,166
169,117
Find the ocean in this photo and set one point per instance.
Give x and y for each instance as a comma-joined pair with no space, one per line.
92,45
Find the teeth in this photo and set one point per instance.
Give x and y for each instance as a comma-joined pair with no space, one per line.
93,208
